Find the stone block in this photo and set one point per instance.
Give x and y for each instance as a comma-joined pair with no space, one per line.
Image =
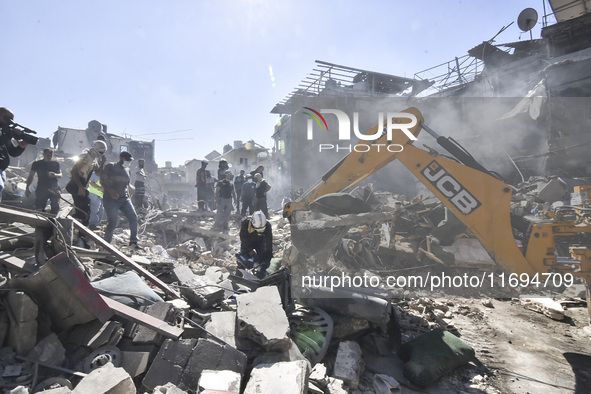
227,381
168,388
262,319
95,334
135,363
199,290
23,308
144,335
49,350
211,355
223,326
23,337
106,380
348,364
286,378
169,363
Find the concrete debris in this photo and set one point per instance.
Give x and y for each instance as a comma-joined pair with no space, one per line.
106,380
283,377
226,381
546,306
183,318
262,319
349,365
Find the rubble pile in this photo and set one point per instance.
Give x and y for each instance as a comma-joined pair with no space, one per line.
179,316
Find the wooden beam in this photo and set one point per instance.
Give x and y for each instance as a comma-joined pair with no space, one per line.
160,326
132,264
35,219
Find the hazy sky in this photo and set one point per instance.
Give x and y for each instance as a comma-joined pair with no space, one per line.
196,75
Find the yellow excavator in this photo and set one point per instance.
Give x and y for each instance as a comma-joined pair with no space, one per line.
478,198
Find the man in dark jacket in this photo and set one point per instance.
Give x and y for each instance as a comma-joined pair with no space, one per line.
256,243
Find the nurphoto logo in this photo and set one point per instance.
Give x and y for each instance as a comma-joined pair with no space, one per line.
393,123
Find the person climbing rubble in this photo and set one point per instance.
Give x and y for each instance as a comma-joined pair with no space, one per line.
48,171
90,160
256,243
115,179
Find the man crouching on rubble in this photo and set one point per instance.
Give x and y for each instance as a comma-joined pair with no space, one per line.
115,180
256,243
7,146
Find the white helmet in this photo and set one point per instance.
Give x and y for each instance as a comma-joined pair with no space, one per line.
258,221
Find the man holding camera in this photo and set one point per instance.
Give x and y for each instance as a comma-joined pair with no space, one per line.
11,143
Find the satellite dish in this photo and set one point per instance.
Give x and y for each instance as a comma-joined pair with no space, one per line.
527,19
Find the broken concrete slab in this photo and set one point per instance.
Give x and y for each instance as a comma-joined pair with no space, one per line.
223,326
169,363
349,364
144,335
63,291
211,355
106,380
168,388
262,319
135,363
22,333
284,377
220,380
546,306
199,290
49,350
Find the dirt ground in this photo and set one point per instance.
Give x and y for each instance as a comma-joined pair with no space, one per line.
522,351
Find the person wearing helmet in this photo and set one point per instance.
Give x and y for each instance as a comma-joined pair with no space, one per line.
90,160
201,185
256,242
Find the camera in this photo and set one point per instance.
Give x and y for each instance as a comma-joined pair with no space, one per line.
24,133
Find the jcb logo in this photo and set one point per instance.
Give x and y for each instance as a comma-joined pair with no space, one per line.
457,194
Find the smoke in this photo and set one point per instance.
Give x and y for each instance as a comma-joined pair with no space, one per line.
477,124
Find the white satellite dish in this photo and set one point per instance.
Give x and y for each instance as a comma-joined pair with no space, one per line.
527,19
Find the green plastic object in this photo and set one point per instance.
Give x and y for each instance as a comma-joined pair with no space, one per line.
311,329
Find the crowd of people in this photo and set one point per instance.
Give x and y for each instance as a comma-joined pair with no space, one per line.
98,188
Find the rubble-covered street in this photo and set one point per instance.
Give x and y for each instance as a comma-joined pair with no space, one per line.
178,315
416,218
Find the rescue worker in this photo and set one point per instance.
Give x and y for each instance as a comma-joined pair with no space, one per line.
256,243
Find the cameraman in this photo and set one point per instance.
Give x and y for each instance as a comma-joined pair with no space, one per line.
7,147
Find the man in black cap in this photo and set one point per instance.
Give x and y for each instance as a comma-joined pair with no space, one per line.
115,179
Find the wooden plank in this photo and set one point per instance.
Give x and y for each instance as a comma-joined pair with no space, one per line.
132,264
8,215
144,319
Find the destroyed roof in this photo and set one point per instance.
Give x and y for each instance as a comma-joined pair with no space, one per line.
569,9
330,79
